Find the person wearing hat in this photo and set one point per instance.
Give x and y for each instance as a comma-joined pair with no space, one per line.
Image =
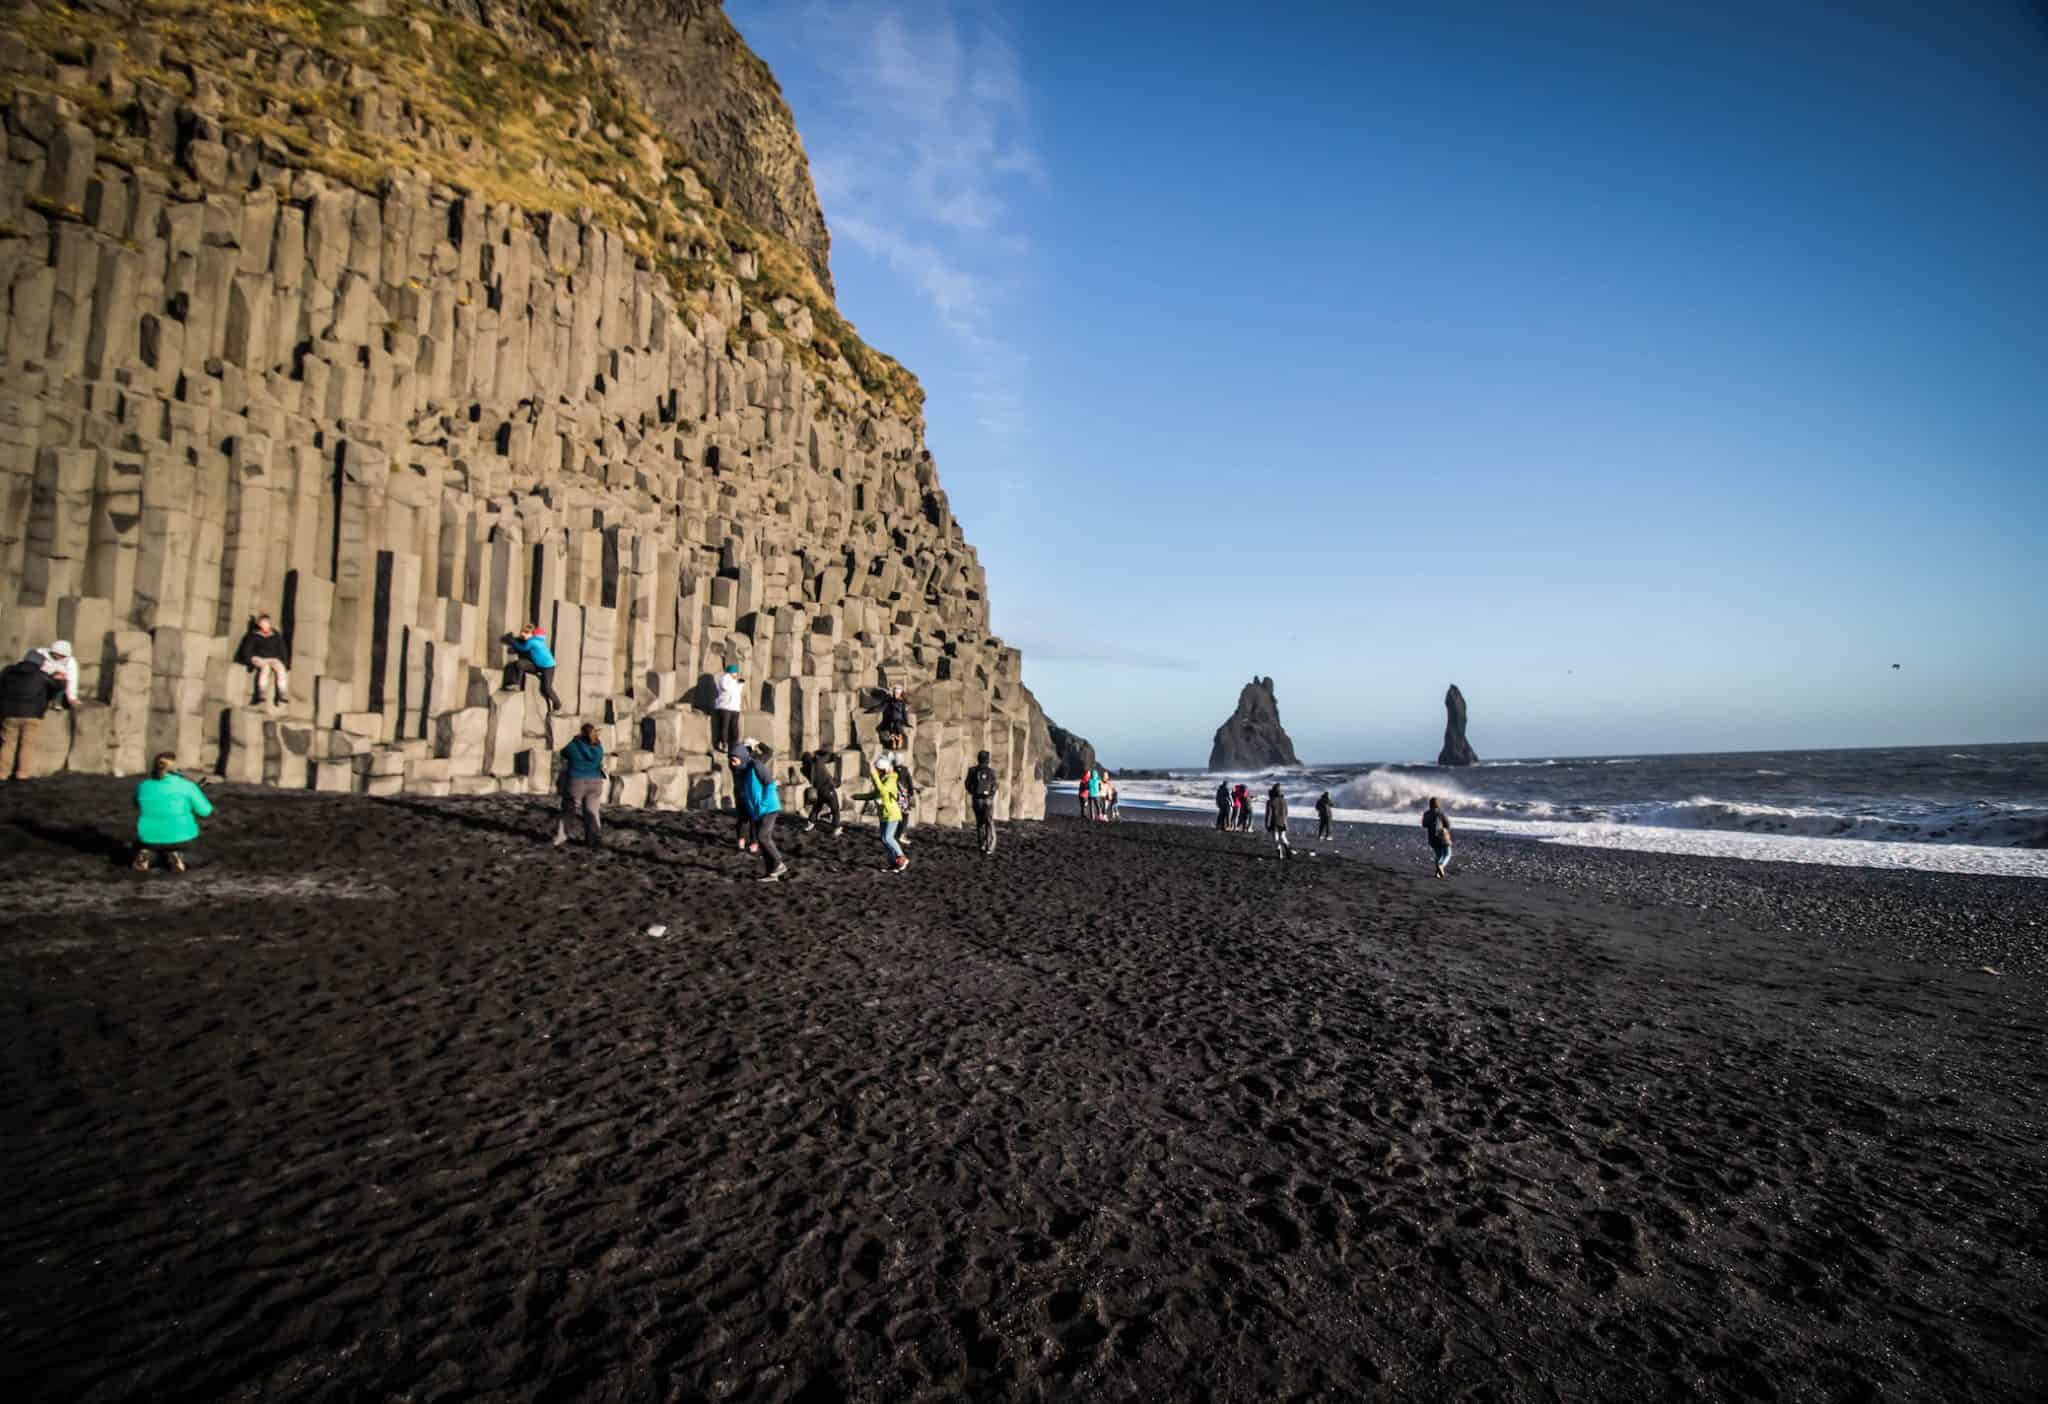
26,691
882,774
59,663
726,707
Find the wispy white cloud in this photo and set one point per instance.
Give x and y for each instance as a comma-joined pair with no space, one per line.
925,152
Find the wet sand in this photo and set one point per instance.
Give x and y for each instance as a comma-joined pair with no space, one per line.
390,1100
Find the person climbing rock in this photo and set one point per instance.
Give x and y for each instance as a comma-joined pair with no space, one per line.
726,708
168,808
265,654
981,794
26,691
1276,821
531,655
1436,825
583,787
1323,808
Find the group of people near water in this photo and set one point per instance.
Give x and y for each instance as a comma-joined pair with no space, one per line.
1234,815
1096,793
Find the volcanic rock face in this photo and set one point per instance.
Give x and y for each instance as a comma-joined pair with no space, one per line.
1075,756
423,373
1457,750
1253,738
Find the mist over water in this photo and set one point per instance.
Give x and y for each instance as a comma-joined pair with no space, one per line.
1946,808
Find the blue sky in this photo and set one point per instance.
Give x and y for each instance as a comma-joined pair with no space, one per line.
1659,374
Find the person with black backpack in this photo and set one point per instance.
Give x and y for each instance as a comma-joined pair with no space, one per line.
824,794
981,793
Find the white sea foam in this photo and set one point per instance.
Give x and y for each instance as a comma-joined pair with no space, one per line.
1701,826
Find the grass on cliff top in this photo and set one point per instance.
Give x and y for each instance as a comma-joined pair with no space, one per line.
532,119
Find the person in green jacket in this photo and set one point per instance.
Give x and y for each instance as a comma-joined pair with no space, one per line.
583,787
168,809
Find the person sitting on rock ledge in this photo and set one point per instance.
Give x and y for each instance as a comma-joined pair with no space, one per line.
264,653
60,663
168,809
531,654
894,729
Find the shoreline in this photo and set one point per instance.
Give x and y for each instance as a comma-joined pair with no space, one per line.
390,1099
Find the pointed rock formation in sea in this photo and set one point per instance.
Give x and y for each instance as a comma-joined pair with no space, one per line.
1457,750
1253,738
1074,757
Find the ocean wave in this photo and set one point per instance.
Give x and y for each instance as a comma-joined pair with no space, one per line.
1987,825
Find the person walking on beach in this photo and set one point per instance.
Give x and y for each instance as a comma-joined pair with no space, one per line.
26,691
824,794
882,775
583,787
760,802
168,808
531,655
981,794
1114,813
264,653
1223,806
730,698
1323,817
1081,792
1437,825
1095,793
1243,796
1276,821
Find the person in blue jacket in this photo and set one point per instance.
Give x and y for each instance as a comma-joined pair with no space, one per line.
759,802
531,654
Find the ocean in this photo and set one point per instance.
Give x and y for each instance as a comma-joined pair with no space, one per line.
1981,809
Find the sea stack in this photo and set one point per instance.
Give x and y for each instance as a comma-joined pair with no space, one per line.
1457,750
1073,757
1253,738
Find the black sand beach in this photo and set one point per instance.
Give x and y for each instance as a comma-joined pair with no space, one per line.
389,1100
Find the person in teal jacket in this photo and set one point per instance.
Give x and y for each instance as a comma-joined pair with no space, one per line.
759,802
531,654
168,810
583,787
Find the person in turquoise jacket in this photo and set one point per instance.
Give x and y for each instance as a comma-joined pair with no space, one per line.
759,802
583,787
531,654
168,810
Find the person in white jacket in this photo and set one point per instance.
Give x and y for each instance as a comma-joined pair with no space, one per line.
58,663
725,710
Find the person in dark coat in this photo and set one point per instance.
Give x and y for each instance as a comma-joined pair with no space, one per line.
1323,808
264,652
26,692
981,794
1437,826
824,794
1276,820
1223,805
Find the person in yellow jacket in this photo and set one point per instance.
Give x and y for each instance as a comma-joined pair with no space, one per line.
882,774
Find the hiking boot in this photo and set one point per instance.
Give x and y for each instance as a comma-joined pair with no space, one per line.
141,863
561,837
781,872
177,862
902,863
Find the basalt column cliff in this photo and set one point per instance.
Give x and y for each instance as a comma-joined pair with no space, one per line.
411,323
